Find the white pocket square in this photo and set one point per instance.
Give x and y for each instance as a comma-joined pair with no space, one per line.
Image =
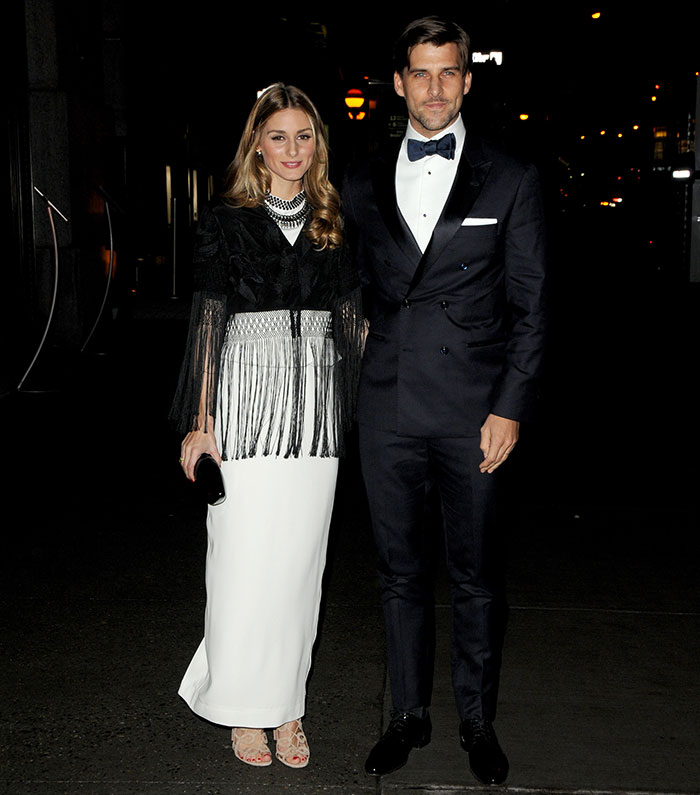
479,221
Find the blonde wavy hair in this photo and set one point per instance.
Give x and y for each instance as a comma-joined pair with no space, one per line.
248,178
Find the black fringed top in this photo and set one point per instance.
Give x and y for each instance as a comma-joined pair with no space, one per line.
244,264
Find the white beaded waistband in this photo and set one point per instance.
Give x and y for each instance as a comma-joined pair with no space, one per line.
278,323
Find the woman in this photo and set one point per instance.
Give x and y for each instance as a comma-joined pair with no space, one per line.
267,388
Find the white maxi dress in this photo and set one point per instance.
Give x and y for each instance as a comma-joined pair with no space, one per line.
267,541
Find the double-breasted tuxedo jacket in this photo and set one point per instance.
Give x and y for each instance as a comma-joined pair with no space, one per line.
455,333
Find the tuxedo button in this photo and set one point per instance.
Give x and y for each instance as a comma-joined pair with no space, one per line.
444,304
444,350
406,303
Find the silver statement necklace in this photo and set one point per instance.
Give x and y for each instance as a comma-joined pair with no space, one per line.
288,213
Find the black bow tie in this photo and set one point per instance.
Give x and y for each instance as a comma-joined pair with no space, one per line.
445,147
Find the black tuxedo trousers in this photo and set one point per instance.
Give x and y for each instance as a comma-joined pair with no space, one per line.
397,470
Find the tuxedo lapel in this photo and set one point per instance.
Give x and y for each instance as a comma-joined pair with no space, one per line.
471,175
384,183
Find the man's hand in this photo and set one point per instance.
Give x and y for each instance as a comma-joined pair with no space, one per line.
498,438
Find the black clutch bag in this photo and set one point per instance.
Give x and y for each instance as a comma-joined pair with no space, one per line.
209,480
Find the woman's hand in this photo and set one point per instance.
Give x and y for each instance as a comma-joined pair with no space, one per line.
193,446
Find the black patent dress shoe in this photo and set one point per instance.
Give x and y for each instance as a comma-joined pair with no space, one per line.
487,761
405,732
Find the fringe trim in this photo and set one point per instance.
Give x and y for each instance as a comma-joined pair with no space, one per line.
349,331
277,377
199,373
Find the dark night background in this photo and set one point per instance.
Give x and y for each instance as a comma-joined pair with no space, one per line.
105,95
102,96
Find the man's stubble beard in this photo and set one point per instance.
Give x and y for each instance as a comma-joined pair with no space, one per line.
432,124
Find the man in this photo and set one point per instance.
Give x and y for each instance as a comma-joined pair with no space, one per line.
449,238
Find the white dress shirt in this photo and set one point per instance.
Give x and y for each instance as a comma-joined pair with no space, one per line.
422,187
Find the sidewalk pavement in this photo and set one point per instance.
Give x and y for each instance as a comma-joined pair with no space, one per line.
102,601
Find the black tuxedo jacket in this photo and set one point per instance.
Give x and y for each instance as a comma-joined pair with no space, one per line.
455,333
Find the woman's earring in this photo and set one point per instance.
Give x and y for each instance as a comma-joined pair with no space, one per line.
258,152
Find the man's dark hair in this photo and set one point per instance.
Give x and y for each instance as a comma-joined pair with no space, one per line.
431,30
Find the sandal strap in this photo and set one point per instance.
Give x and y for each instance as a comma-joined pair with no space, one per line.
292,742
249,742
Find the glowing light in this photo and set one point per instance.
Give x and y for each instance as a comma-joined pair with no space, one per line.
636,127
354,98
583,137
619,135
653,99
602,132
168,194
105,256
195,196
682,173
595,15
524,116
482,57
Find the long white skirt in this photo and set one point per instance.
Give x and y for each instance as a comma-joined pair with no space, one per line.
265,561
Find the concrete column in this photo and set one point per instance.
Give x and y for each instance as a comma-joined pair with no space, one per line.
48,121
50,172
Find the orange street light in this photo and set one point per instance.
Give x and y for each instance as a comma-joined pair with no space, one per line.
354,98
